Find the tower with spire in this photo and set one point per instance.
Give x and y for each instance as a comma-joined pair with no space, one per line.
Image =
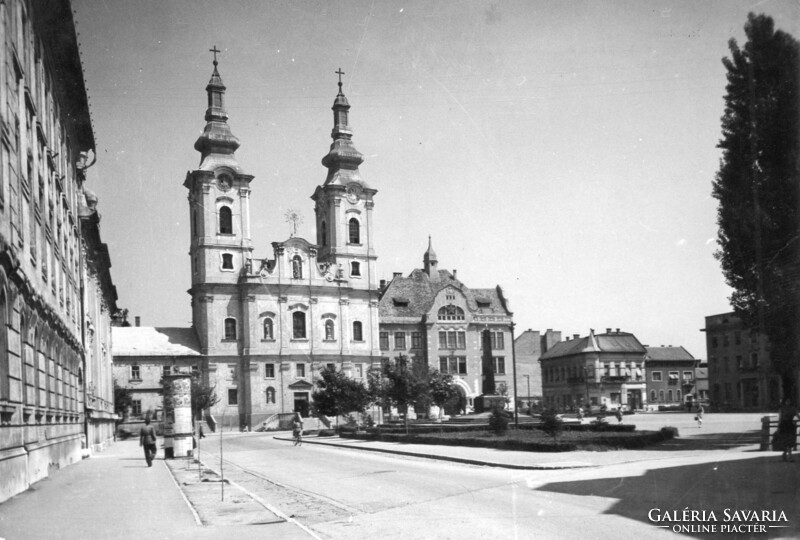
430,263
219,217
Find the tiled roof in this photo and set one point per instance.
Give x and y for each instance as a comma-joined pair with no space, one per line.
149,341
616,342
413,296
668,353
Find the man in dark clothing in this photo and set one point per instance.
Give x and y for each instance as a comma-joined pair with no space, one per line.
147,439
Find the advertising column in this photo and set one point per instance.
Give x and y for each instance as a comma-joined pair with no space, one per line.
177,415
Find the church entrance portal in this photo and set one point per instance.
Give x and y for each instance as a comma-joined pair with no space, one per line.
301,403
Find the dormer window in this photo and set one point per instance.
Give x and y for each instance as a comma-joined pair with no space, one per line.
225,220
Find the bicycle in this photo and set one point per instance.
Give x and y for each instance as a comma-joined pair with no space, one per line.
297,437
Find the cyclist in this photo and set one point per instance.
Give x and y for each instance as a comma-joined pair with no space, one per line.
297,429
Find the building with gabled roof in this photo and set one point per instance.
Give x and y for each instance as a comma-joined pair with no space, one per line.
431,317
597,369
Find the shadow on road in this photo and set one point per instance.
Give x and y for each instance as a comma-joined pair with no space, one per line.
710,441
763,483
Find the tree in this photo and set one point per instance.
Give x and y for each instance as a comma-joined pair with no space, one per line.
204,397
758,189
399,386
441,389
337,394
123,399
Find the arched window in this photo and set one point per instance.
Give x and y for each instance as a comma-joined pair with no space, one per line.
4,382
298,325
669,395
230,328
355,269
297,267
329,330
268,328
451,313
653,395
660,395
324,234
354,229
225,220
270,395
678,392
358,334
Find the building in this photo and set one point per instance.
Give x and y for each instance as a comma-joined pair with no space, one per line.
529,347
671,377
701,382
56,294
430,316
266,325
739,370
599,370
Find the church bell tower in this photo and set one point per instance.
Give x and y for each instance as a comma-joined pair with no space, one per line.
344,205
219,214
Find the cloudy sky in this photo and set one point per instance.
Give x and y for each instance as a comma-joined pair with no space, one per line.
563,150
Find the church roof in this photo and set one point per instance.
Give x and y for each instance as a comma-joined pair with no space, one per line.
410,298
151,341
614,342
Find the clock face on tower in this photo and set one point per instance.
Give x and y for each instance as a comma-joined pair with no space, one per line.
224,182
353,193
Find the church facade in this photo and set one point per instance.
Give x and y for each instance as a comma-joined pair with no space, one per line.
266,325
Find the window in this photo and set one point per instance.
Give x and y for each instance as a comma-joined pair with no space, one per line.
225,220
737,337
442,340
498,341
354,229
453,365
416,340
725,340
301,370
135,375
359,370
270,395
754,360
669,395
499,365
678,394
297,267
230,329
714,342
166,370
357,331
653,396
400,340
227,261
329,330
195,371
450,295
331,367
233,396
688,376
674,376
383,338
451,313
269,371
660,395
655,376
136,407
269,327
298,325
739,363
355,269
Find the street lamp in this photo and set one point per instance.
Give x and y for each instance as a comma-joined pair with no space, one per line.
514,363
529,391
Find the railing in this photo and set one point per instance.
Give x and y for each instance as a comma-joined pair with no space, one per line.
769,425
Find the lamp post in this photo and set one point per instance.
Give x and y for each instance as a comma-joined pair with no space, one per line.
529,391
514,364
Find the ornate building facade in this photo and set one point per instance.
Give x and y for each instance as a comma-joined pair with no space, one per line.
266,325
56,294
431,317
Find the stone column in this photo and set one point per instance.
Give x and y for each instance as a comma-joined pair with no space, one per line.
177,415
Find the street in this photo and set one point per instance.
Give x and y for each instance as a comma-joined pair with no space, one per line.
351,493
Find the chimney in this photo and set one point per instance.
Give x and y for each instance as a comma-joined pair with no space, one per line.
617,330
608,330
455,273
396,275
576,336
383,284
137,320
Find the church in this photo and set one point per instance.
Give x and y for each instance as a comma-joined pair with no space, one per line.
264,325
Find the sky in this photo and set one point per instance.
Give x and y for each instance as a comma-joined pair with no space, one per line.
562,150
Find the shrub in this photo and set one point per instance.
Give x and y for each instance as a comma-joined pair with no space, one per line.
326,433
551,423
498,421
669,432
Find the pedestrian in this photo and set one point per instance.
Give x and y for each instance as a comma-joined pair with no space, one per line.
580,414
297,429
699,415
202,435
618,414
147,439
785,438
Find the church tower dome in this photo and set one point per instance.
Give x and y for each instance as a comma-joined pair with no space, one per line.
430,262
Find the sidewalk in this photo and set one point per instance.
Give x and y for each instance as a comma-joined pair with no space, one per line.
114,495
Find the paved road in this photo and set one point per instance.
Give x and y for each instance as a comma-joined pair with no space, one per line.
344,493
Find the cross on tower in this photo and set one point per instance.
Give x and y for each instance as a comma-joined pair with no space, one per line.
215,51
340,72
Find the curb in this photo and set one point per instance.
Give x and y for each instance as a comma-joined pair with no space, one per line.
543,467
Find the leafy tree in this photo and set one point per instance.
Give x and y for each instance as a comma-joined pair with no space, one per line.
123,400
204,396
337,394
399,386
757,187
441,389
552,423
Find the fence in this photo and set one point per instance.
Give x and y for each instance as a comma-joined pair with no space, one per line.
769,424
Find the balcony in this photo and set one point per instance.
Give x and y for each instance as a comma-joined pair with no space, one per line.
615,378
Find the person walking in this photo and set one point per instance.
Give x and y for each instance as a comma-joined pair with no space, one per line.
147,439
297,429
785,438
618,414
699,415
